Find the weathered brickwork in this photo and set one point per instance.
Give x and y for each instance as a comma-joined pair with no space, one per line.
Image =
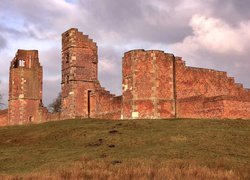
155,85
4,117
206,93
105,105
146,77
209,83
82,94
25,88
79,73
159,85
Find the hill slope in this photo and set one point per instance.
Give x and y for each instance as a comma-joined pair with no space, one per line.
217,145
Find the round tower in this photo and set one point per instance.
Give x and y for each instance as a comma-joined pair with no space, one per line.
148,85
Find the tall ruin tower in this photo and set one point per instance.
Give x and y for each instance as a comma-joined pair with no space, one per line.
79,73
25,88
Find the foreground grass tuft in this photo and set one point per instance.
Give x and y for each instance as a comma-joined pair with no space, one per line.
72,149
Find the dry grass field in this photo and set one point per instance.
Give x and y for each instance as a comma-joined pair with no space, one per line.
135,149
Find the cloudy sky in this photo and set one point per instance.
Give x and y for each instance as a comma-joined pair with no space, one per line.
206,33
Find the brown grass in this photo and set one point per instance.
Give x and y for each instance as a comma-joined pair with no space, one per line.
90,169
148,149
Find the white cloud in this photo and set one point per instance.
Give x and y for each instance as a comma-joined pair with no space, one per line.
214,35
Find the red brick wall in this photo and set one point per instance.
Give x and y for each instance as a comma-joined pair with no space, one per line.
79,73
206,93
54,116
79,80
4,117
200,107
147,85
105,105
25,88
192,81
235,108
159,85
155,85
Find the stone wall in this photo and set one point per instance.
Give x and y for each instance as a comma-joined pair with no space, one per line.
82,94
159,85
155,85
79,73
4,117
148,85
206,93
191,81
105,105
25,88
54,116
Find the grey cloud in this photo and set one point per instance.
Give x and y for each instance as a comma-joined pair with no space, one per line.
113,13
136,20
51,62
3,43
37,19
111,79
4,92
51,88
231,11
129,19
10,32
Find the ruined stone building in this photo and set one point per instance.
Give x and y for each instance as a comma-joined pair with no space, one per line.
25,88
155,85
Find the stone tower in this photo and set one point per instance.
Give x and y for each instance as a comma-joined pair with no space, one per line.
79,73
25,88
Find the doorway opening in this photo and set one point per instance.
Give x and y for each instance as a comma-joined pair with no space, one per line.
88,103
30,119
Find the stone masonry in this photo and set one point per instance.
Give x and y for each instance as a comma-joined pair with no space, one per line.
25,88
82,95
159,85
155,85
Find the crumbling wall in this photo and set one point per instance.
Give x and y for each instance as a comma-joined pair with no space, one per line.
105,105
54,116
79,73
4,117
200,107
206,93
82,94
25,88
147,85
236,108
155,85
191,81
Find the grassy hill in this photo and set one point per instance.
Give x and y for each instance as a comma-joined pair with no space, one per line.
127,149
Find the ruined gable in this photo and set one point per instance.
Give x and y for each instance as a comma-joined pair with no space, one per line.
25,88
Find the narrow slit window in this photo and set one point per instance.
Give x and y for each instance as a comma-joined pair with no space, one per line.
67,79
67,58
